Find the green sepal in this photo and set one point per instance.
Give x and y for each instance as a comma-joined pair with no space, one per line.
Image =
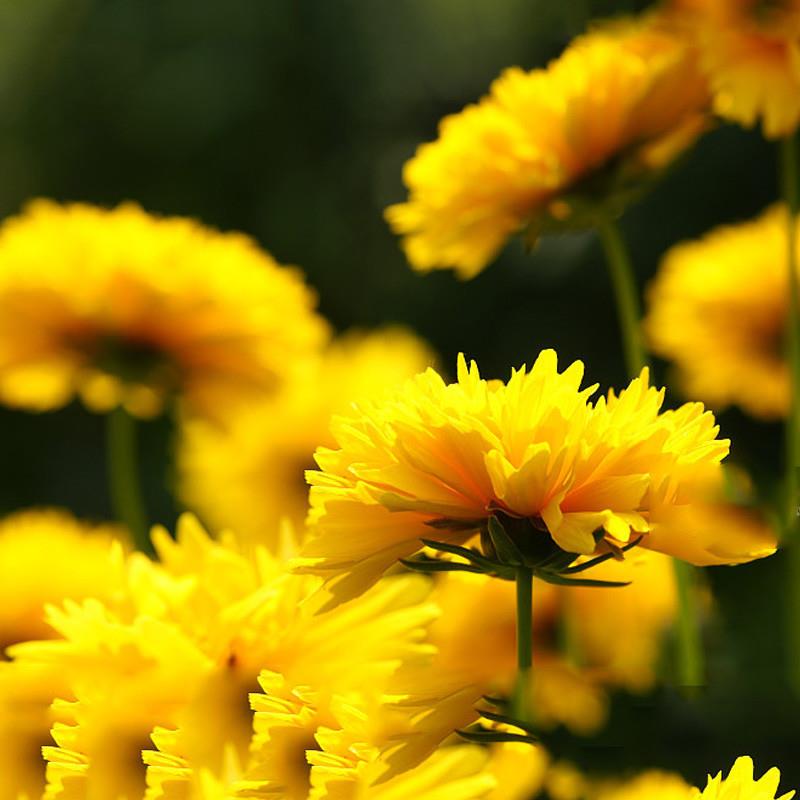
505,547
557,579
425,564
484,736
600,559
506,720
452,524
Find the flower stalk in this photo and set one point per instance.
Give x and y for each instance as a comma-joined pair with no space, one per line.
123,475
789,189
521,701
690,657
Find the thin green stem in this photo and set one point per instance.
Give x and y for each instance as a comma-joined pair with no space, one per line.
789,186
623,282
789,189
123,476
691,668
690,656
521,704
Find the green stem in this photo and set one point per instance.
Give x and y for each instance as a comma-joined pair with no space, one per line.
691,668
690,656
123,477
789,169
521,705
789,190
623,282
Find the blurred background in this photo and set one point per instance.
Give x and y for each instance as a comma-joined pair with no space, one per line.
291,120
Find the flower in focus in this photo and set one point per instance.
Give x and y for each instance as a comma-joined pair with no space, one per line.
552,147
438,461
246,476
124,308
750,52
741,785
718,309
188,646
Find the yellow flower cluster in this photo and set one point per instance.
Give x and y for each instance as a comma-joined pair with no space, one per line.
150,687
437,460
121,307
718,310
550,146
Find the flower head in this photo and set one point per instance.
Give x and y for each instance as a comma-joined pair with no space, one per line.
741,785
750,52
248,475
188,646
121,307
718,309
560,474
552,147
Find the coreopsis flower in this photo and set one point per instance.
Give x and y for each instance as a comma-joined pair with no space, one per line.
741,785
124,308
552,147
249,474
718,309
46,556
83,560
559,475
750,52
197,630
652,785
519,769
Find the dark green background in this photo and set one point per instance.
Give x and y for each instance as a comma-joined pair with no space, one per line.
291,119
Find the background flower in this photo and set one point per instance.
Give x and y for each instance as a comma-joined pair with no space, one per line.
163,307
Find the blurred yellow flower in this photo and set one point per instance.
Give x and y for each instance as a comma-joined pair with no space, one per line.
437,461
741,785
82,560
554,146
249,474
519,769
750,51
652,785
121,307
718,309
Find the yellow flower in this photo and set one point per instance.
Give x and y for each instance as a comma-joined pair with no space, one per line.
653,785
436,461
718,309
750,51
82,560
519,769
248,475
46,556
121,307
552,147
188,646
740,784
